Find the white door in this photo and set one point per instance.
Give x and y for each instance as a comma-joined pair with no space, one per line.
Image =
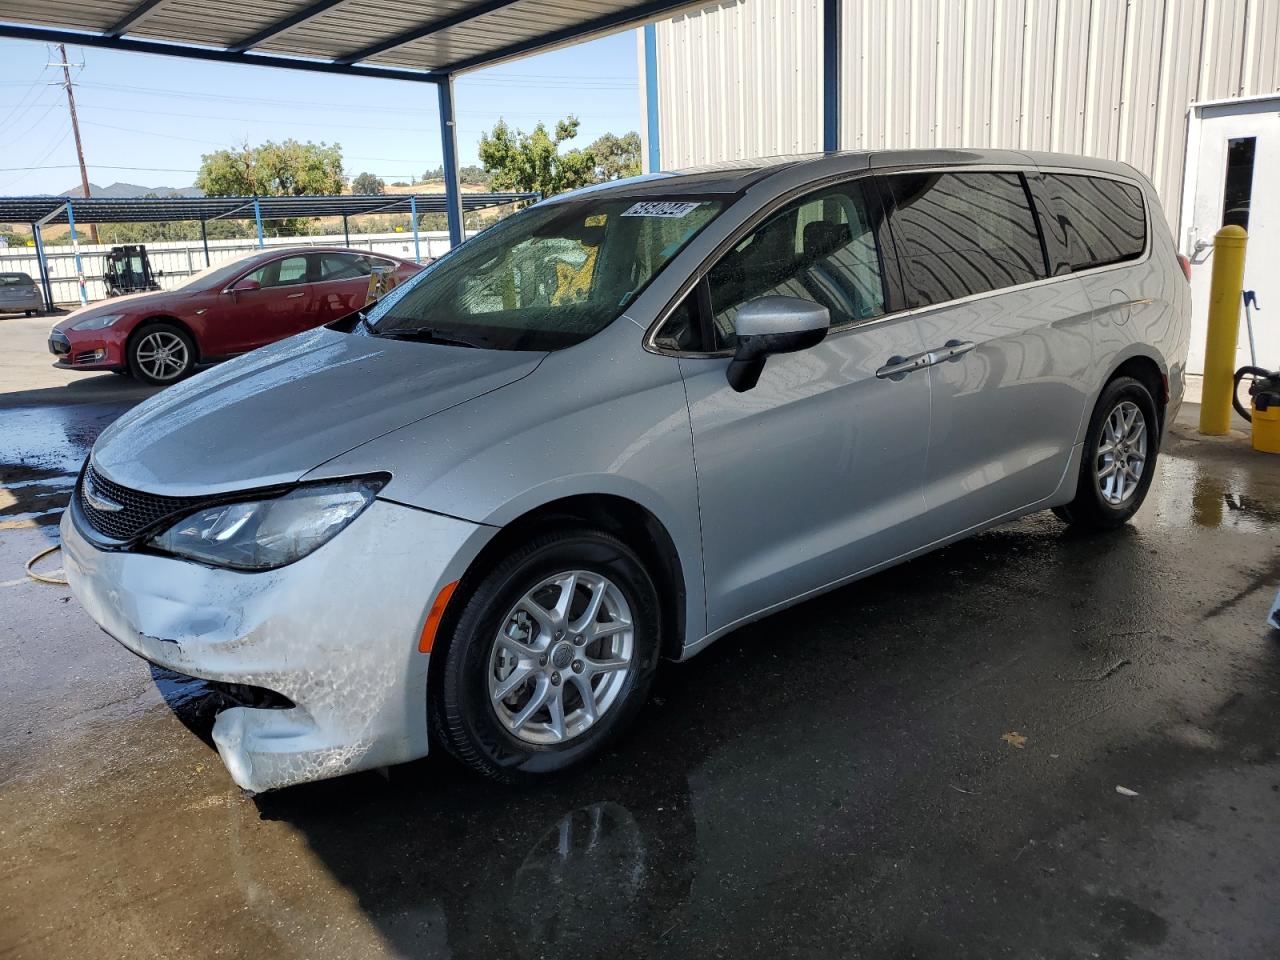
1233,151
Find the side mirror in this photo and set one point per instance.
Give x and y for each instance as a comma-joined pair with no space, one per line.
246,284
771,325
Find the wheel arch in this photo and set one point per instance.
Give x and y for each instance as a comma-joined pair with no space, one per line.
628,520
1146,370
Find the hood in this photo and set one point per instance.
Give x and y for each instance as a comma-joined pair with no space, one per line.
273,415
125,304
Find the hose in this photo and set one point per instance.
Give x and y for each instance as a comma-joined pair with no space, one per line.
42,578
1258,373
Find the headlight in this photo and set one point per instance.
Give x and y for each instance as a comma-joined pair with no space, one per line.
265,534
98,323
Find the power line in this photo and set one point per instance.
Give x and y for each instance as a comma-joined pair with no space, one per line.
75,129
26,93
40,162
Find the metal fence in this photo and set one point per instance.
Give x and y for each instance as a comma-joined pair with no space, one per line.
175,260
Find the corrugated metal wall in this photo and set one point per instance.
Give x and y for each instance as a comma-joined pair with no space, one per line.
740,79
1110,78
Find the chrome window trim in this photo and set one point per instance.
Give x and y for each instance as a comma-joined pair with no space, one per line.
704,268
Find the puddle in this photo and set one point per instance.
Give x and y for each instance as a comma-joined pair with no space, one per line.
1215,496
41,450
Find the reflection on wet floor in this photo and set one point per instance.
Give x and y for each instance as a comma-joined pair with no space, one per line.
41,450
1219,495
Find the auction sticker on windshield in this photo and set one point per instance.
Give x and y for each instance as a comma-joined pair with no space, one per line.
661,208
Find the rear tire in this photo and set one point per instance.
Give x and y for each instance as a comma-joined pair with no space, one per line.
1119,459
504,654
161,353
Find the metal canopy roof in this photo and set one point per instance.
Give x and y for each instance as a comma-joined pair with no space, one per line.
400,39
131,210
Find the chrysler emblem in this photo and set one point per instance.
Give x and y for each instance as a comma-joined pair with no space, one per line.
97,500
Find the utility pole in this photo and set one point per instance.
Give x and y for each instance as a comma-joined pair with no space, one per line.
75,129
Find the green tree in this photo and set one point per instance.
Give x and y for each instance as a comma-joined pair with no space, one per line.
469,174
533,161
271,169
616,157
288,169
366,184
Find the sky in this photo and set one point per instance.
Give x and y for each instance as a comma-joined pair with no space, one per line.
148,119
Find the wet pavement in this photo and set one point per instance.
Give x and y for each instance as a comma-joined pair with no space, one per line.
924,764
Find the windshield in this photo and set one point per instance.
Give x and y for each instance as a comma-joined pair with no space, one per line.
219,274
546,278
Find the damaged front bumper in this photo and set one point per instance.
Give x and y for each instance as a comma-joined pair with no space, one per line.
336,633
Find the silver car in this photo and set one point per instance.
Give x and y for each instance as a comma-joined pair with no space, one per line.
618,425
19,294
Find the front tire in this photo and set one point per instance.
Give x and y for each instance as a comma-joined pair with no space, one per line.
1119,459
551,657
161,353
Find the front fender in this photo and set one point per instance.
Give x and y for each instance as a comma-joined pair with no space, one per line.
603,417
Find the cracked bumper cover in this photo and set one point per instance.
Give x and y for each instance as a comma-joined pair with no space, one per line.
336,632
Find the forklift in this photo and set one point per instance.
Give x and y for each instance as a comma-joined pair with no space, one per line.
128,271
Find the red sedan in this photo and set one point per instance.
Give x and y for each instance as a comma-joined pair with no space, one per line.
224,311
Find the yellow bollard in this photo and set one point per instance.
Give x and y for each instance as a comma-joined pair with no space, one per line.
1225,290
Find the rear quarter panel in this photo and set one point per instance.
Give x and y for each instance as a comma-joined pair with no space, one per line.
1140,308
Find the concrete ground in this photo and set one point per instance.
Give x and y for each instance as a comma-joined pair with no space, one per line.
924,764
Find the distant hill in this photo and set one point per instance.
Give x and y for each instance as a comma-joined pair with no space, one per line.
133,190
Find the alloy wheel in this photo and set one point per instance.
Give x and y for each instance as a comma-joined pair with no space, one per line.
162,355
1122,452
562,657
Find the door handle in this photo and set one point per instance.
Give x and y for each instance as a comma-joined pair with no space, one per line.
295,296
953,350
898,367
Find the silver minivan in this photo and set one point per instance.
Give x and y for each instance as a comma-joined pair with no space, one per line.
616,426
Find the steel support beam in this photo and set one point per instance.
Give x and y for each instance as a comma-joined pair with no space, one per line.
449,147
286,23
652,129
346,233
426,30
75,250
131,19
632,16
130,45
257,219
204,239
44,267
831,74
413,219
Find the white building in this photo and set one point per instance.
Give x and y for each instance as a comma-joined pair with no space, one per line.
1180,89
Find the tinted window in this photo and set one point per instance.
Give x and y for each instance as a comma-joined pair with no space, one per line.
341,266
281,273
1104,220
15,279
1238,190
821,248
963,233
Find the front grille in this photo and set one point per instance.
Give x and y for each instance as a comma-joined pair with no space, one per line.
138,511
59,345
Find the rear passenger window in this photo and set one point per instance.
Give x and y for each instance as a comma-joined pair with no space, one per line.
281,273
1104,220
959,234
821,248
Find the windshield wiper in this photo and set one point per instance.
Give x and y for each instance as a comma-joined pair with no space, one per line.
424,335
